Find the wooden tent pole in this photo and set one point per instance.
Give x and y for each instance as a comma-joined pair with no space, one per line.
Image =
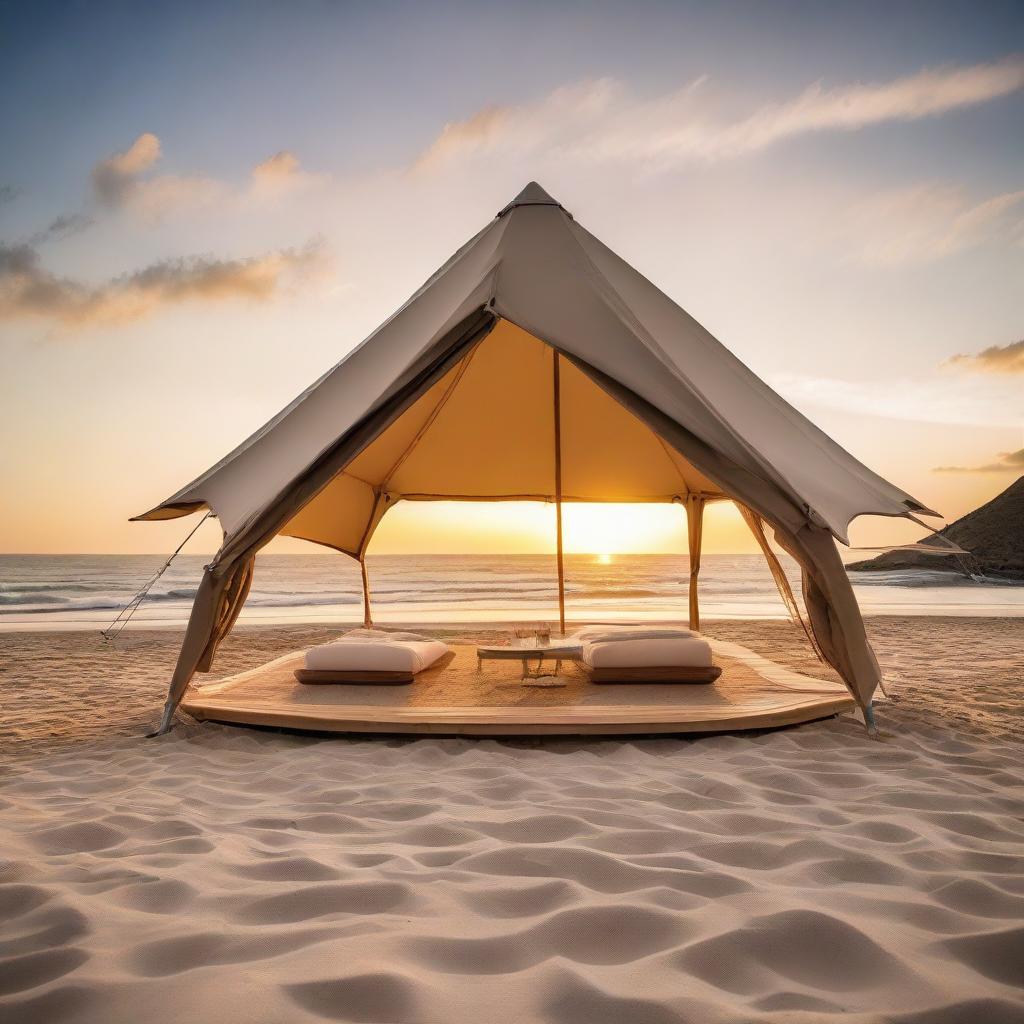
380,506
367,618
558,493
694,530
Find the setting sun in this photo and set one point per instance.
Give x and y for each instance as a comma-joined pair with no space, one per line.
604,530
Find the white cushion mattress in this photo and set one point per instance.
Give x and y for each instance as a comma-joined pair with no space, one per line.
375,656
683,652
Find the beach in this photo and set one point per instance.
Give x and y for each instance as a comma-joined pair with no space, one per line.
535,541
231,874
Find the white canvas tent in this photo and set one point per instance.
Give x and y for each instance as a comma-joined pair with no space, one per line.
536,364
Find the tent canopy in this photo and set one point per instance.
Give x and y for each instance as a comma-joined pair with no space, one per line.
535,267
454,397
484,432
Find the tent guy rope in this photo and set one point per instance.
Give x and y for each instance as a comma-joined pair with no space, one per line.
123,617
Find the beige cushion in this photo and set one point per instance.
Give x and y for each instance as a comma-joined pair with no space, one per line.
689,652
375,656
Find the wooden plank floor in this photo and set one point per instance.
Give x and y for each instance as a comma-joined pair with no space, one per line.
454,697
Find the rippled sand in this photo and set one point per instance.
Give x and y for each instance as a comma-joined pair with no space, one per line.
226,875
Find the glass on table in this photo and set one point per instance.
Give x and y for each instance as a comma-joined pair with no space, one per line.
524,636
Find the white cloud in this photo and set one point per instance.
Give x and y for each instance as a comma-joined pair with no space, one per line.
557,121
279,174
282,166
600,120
927,399
925,94
1006,462
119,181
994,359
928,222
28,290
124,181
65,226
116,177
157,197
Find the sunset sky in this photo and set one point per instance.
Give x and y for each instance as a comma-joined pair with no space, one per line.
204,206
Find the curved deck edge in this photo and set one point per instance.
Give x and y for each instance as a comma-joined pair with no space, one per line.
524,721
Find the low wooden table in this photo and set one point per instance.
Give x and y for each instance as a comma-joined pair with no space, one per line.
553,652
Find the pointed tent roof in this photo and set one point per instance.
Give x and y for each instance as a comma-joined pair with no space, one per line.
532,195
535,267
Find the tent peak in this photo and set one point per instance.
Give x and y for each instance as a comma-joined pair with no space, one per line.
532,195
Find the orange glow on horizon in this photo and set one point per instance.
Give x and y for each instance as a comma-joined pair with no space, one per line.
603,530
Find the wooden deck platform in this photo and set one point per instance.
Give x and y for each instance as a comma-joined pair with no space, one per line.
454,697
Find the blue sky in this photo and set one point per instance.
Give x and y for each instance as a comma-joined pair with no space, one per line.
835,190
354,86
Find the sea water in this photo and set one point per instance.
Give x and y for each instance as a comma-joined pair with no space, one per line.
86,591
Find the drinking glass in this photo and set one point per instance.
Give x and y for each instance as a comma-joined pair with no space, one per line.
523,636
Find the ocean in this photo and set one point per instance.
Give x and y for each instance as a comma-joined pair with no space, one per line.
41,592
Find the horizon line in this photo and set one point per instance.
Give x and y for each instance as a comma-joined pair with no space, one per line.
379,554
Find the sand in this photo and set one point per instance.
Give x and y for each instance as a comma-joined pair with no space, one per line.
225,874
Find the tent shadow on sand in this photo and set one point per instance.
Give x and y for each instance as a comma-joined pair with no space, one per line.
536,364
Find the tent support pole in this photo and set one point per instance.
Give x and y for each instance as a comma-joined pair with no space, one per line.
379,501
694,530
558,493
367,617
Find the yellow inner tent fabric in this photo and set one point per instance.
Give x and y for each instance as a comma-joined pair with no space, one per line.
486,431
